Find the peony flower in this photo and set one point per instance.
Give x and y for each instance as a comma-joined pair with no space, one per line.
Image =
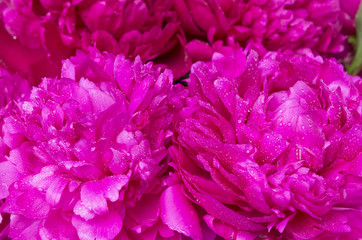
148,29
88,151
268,148
272,24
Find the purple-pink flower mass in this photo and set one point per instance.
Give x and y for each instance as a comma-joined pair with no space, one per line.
271,146
180,119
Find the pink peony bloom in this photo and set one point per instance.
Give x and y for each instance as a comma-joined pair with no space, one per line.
87,152
274,24
145,28
268,148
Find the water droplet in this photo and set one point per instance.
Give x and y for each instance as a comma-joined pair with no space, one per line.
289,124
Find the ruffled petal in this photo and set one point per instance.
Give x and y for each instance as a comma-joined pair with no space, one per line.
178,213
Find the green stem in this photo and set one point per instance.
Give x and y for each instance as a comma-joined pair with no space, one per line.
356,65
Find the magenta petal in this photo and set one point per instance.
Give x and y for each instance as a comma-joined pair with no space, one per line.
123,73
271,146
22,228
336,222
219,228
118,163
8,175
30,204
304,227
225,90
95,194
146,211
100,227
82,211
356,166
139,94
227,231
68,70
83,170
352,144
186,17
227,215
199,50
56,226
33,204
256,199
55,190
13,132
178,213
100,100
105,41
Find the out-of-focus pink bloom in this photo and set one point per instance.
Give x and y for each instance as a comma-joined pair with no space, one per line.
145,28
347,18
268,148
32,64
350,7
274,24
87,152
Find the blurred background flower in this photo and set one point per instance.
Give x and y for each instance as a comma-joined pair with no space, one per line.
176,33
322,26
145,28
